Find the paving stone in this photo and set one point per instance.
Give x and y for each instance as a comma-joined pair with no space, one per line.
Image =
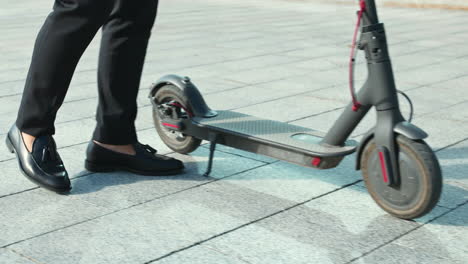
120,189
214,85
240,97
35,212
454,171
294,182
267,74
455,112
302,84
12,180
323,122
203,255
424,101
321,231
290,108
432,74
135,234
438,126
415,60
441,241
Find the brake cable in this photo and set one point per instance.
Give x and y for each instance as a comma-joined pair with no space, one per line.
352,61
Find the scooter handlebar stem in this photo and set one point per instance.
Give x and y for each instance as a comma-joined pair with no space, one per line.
370,14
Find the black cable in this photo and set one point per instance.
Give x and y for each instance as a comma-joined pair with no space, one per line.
410,104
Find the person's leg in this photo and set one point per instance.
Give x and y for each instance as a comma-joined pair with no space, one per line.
62,40
123,48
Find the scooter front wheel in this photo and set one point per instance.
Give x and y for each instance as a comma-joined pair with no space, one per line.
420,179
175,140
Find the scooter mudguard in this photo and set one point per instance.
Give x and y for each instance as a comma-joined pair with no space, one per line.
191,92
403,128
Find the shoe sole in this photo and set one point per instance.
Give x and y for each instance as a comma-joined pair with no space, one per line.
12,150
94,167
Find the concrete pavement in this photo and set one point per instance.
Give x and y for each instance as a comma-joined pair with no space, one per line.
284,60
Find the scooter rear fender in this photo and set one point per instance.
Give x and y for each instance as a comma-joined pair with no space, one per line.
191,92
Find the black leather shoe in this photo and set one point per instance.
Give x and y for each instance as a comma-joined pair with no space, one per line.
43,165
144,162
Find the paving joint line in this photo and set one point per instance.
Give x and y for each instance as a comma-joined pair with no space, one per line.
451,145
251,222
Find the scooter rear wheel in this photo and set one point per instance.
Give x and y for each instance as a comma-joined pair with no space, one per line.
420,179
177,141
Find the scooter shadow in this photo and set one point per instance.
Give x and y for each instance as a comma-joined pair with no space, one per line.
87,182
196,163
225,165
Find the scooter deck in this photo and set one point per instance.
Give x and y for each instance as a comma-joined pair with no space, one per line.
273,133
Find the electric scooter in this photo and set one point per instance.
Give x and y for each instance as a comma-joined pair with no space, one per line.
400,171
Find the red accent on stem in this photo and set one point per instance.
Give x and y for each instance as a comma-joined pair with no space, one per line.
383,167
316,161
362,4
170,125
356,106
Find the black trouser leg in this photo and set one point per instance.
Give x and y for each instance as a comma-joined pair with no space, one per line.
62,40
123,48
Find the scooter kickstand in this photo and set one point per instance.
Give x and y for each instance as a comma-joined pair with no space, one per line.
213,142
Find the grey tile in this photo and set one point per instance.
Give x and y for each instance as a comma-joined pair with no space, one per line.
148,231
332,229
267,74
201,255
455,112
290,108
454,170
433,99
324,121
441,241
296,183
432,74
36,212
438,126
393,253
262,243
13,180
120,189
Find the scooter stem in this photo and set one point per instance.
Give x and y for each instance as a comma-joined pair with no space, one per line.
370,17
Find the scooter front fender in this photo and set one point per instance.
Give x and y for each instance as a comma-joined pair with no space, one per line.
410,131
402,128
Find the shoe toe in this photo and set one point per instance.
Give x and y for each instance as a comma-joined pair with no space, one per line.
58,182
172,164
